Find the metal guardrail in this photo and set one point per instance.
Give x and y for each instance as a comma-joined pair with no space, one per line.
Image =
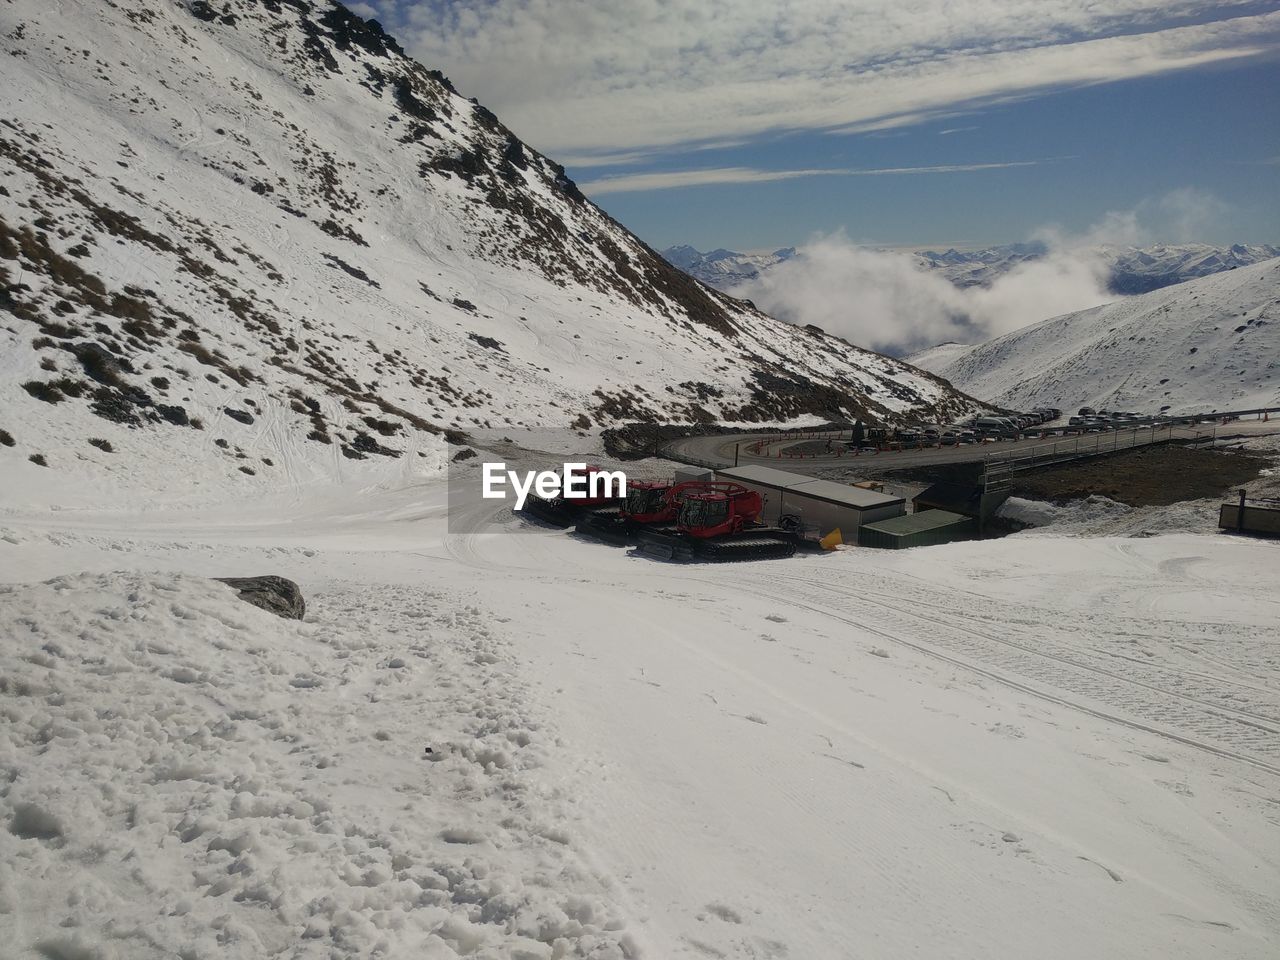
1080,447
1106,441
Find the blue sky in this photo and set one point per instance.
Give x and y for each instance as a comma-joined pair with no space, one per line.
754,124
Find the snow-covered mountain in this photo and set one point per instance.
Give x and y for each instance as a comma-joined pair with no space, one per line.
940,356
255,234
1130,269
1142,269
724,269
974,268
1207,344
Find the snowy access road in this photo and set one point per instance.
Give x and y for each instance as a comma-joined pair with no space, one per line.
1040,746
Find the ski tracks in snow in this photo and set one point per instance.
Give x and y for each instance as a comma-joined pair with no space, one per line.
1029,649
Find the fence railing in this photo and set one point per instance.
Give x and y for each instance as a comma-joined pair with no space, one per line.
1093,445
1074,442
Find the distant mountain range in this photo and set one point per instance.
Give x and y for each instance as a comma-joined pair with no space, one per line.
724,269
1212,343
1133,269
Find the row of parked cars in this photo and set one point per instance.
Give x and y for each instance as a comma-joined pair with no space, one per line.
1091,419
1016,426
974,430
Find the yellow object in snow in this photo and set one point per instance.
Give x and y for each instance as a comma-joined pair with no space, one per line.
831,540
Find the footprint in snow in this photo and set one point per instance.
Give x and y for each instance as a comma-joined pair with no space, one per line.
1111,873
461,835
1218,924
850,763
727,914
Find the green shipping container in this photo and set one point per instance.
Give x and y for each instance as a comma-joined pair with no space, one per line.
924,529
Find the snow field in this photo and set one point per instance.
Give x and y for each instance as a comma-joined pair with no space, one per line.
952,751
185,775
956,751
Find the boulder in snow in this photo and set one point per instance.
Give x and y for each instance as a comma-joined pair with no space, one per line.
273,594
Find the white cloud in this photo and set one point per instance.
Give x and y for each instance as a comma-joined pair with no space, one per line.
887,300
628,76
875,298
669,180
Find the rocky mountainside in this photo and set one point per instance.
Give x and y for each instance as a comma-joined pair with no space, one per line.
1131,270
1207,344
254,234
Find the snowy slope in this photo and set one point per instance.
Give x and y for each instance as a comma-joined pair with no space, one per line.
939,357
1028,747
254,236
1208,344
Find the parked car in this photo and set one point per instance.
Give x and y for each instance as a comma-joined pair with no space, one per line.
1087,412
995,426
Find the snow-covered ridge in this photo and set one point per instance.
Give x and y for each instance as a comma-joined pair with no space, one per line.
1207,344
260,235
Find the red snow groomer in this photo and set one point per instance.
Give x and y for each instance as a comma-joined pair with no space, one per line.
720,523
562,511
650,504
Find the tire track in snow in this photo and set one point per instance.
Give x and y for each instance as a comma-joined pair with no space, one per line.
1216,733
1152,679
